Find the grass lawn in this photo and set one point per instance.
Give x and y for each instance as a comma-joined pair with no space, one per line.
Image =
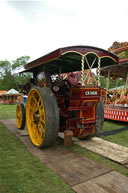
20,172
7,111
119,138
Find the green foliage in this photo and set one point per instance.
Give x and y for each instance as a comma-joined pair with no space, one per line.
20,62
5,67
112,83
9,79
103,82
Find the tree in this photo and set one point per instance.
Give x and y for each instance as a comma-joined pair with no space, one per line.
112,83
5,67
19,62
9,79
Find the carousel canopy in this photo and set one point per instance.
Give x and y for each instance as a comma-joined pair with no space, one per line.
115,71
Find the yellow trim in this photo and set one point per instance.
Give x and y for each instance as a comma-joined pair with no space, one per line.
93,88
108,57
88,53
86,88
72,52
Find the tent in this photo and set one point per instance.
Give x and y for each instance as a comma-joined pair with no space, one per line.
11,96
12,91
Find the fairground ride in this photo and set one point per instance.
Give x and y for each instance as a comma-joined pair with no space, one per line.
116,103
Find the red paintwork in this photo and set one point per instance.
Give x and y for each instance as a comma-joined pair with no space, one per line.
117,113
123,61
81,103
120,49
84,123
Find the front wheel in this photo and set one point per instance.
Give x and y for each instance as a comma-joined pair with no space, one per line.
20,116
99,117
42,116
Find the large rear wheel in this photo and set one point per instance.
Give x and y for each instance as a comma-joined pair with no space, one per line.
20,116
42,116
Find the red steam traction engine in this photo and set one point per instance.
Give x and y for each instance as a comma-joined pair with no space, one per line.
63,95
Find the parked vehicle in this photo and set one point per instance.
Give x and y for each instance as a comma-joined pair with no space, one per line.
64,94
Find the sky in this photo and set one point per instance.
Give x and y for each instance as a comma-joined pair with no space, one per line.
35,28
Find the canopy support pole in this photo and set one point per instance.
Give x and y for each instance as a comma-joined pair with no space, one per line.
126,82
108,81
107,84
99,68
82,70
117,83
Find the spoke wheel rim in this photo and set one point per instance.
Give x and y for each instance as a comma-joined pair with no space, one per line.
35,116
18,116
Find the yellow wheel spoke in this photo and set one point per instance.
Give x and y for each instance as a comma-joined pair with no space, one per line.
32,108
41,128
42,116
34,132
34,98
39,104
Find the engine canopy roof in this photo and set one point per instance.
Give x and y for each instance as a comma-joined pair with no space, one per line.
68,59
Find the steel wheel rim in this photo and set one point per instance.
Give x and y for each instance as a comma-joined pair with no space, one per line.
18,116
35,116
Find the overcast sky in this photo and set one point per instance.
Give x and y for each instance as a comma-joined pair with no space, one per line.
35,28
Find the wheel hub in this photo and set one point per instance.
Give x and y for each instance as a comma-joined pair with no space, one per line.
36,117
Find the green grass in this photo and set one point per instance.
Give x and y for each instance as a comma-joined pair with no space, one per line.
111,125
7,111
119,138
20,172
